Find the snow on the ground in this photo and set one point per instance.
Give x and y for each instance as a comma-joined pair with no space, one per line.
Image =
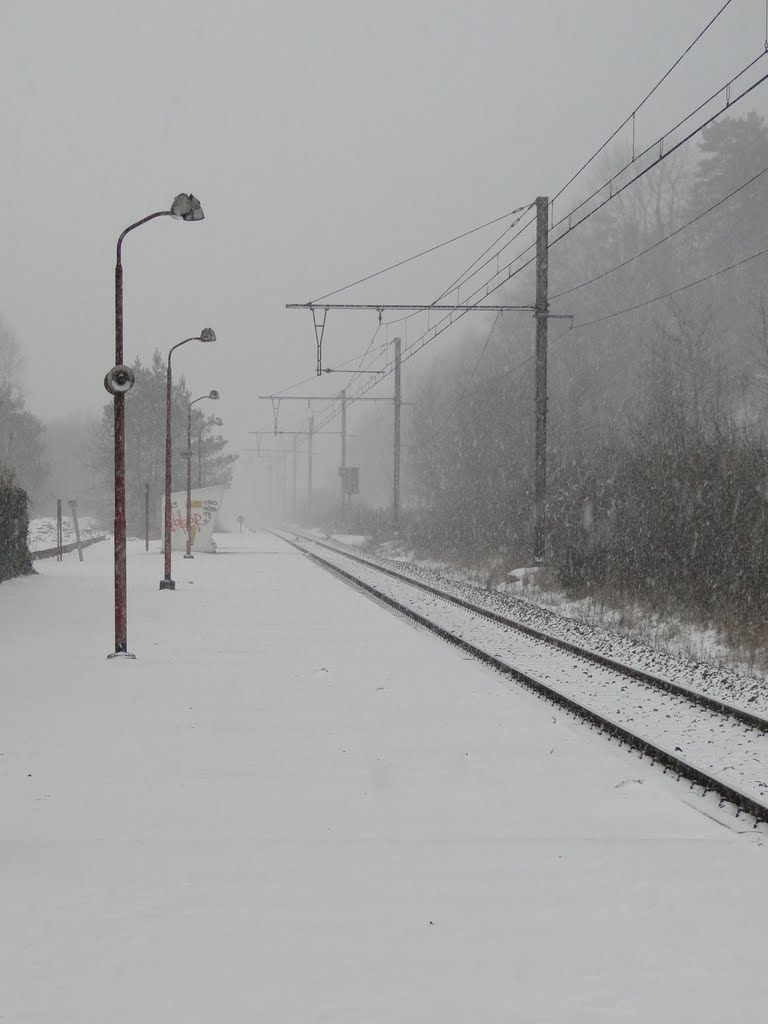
352,540
732,752
42,531
294,806
716,680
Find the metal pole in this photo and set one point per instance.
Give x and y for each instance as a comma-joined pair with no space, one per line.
190,209
309,467
121,571
396,467
167,583
293,492
542,309
73,510
200,456
59,532
188,553
284,486
343,454
146,517
121,574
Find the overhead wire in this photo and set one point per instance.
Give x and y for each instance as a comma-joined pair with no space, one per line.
462,278
314,376
661,241
601,319
669,294
364,356
663,155
629,309
659,142
466,389
580,326
627,121
419,343
645,99
418,255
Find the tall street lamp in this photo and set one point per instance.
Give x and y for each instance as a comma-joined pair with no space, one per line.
118,382
214,395
206,335
215,422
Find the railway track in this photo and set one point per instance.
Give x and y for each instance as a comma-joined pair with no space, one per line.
714,745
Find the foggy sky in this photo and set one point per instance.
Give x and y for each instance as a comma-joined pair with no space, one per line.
324,139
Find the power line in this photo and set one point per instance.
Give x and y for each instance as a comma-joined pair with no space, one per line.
631,117
659,142
674,291
621,312
415,346
466,389
645,99
463,279
409,316
577,327
661,241
460,279
591,323
442,325
663,155
314,375
364,355
418,255
583,167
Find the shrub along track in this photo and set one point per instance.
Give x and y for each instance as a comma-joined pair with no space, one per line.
723,749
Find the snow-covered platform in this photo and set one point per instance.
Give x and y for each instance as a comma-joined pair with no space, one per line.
296,807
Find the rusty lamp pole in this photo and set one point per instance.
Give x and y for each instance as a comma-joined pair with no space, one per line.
214,395
118,382
206,335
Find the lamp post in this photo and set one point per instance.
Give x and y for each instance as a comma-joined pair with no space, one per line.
215,422
214,395
118,381
206,335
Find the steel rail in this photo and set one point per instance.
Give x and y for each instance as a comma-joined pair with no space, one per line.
670,761
658,683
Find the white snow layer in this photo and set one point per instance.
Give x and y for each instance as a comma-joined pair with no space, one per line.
294,806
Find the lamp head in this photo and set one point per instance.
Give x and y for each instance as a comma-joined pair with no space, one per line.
186,207
207,334
213,394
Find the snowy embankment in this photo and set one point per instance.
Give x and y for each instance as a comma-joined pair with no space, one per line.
725,684
42,531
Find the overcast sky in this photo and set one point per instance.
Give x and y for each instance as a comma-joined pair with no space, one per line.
325,139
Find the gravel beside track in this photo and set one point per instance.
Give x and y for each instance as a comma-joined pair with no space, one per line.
719,747
732,687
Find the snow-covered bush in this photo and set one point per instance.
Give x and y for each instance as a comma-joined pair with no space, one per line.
14,522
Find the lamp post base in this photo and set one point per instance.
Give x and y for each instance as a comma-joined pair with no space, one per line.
167,584
121,654
189,556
